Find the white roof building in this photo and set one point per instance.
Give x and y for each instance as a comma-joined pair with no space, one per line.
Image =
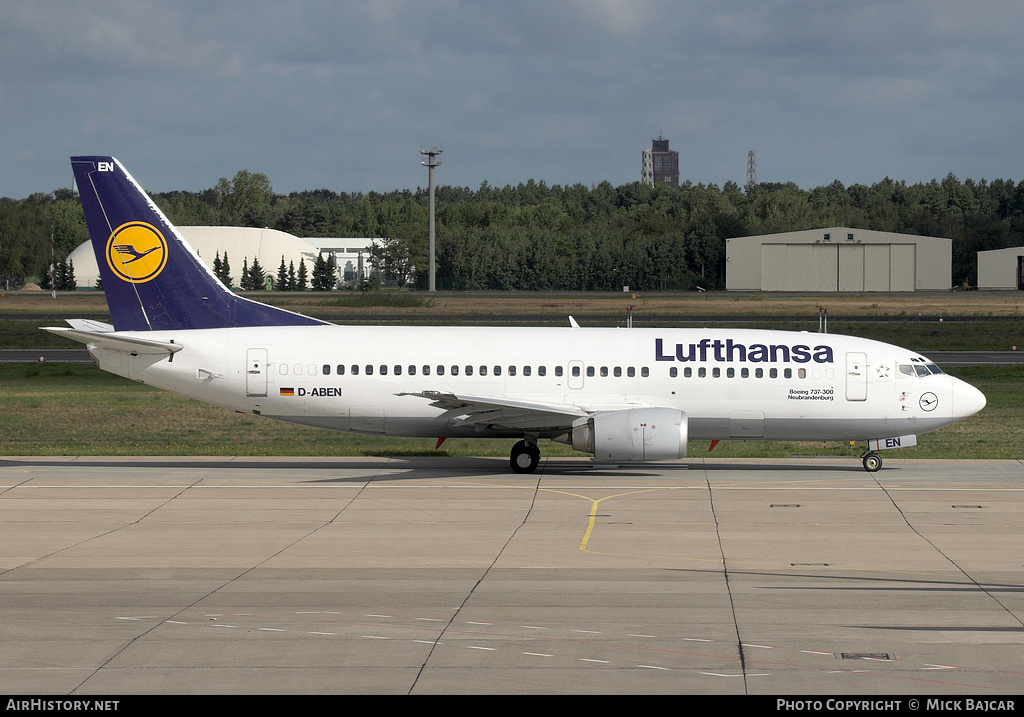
245,243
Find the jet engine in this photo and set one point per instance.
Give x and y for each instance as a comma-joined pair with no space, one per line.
633,435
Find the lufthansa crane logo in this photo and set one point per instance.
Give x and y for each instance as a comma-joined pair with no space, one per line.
136,252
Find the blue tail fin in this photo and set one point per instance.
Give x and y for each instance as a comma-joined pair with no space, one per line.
153,280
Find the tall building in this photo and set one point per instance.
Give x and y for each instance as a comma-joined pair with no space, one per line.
660,164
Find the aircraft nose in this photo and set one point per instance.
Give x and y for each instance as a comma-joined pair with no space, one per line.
967,400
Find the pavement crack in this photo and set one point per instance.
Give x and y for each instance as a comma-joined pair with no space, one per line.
728,586
455,613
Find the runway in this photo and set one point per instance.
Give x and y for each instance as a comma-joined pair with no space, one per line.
216,575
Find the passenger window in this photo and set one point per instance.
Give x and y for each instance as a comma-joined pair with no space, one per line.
542,370
590,371
758,372
773,373
801,373
426,369
716,372
327,370
511,370
440,370
398,369
483,370
526,370
645,372
369,369
341,369
687,372
575,371
702,372
672,372
355,370
604,372
630,372
617,372
788,373
469,370
497,370
455,371
383,370
558,370
730,372
412,369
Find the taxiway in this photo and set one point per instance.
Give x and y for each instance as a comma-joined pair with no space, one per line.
433,575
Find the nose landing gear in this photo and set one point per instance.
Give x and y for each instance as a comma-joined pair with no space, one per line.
872,461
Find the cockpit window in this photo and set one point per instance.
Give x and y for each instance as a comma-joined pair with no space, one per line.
919,370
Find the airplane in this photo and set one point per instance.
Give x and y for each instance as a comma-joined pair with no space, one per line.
624,395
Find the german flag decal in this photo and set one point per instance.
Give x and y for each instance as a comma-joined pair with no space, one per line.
287,391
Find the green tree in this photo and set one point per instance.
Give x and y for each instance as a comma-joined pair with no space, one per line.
257,276
282,277
226,271
323,273
246,282
246,200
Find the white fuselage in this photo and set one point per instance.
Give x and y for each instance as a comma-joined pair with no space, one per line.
732,384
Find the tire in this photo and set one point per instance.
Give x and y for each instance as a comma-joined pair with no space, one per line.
524,457
872,462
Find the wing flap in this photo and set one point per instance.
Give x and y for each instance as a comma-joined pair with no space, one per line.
509,413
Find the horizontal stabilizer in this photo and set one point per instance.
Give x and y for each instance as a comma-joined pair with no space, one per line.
90,326
116,342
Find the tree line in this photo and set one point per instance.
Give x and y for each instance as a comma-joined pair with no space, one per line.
533,236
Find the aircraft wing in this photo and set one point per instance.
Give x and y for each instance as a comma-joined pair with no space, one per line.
520,415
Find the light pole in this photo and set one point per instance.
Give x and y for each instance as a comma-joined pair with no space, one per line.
431,162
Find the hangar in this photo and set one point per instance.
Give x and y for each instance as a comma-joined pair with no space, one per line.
838,259
1001,268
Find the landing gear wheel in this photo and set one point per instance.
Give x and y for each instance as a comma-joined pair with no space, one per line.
872,462
525,457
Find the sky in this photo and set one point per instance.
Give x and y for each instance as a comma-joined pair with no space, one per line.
343,95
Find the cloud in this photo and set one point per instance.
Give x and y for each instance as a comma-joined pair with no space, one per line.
341,95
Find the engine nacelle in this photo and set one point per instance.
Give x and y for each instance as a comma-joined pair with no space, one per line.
633,435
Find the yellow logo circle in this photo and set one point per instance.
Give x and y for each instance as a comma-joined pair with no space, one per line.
136,252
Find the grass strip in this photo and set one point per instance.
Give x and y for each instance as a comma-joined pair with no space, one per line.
71,409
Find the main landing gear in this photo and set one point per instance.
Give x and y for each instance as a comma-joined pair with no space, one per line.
871,460
525,457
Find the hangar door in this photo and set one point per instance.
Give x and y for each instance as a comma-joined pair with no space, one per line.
799,267
838,267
